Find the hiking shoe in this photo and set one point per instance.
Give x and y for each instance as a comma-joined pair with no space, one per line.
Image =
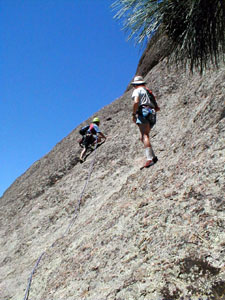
81,160
148,164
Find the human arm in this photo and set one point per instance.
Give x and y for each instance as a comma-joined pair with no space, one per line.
102,135
135,108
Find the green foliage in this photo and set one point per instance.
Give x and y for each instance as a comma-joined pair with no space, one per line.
141,17
196,28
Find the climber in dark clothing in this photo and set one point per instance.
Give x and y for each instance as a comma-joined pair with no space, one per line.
93,135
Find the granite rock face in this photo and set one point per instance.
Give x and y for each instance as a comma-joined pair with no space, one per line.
151,234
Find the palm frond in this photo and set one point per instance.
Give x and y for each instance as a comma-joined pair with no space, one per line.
195,27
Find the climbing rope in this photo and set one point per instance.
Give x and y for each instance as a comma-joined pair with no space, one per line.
82,192
77,209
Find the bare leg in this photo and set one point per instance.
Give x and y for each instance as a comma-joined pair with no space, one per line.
83,153
145,130
98,140
151,158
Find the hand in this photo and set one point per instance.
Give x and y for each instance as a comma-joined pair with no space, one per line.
103,139
134,119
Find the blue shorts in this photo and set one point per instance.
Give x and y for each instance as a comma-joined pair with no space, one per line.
146,115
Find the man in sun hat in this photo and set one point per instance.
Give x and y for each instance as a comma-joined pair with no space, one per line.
144,115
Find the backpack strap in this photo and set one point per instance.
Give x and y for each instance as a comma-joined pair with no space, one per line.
92,129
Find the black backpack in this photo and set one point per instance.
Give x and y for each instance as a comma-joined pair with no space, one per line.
84,129
151,97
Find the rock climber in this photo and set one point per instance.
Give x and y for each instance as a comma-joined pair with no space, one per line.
93,135
144,115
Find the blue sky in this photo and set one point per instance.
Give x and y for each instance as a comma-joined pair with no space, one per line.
60,62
